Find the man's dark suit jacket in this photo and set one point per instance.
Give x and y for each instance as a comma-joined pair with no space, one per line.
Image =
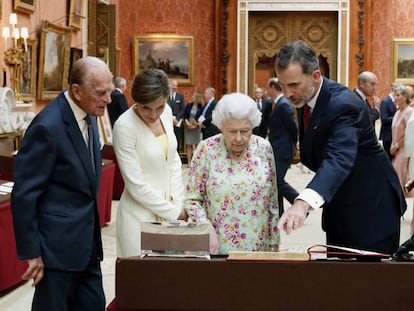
177,106
363,196
210,129
387,111
54,198
283,130
261,130
118,105
283,136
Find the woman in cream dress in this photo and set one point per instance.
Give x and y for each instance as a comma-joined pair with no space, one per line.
146,151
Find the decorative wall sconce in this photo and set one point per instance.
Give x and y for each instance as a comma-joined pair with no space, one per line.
15,55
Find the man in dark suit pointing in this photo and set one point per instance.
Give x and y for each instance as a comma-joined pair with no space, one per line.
54,198
354,180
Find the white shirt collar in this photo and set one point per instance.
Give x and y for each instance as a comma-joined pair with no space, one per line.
360,94
277,98
312,102
77,111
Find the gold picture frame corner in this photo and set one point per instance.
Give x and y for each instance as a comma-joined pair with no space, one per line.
25,6
402,61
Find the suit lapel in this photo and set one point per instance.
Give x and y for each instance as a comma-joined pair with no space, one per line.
77,140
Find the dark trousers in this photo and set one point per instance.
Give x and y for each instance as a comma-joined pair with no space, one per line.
284,190
179,134
70,290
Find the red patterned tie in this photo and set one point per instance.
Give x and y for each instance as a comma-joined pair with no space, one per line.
306,116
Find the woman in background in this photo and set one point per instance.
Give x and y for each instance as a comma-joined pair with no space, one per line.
192,132
232,180
146,151
398,127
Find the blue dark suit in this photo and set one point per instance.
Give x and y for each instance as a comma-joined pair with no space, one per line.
387,111
363,197
118,105
210,129
54,200
262,129
283,135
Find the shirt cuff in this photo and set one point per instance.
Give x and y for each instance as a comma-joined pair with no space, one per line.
314,199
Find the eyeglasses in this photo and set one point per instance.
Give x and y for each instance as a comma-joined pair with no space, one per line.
243,132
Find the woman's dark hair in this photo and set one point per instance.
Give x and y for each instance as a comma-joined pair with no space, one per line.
149,85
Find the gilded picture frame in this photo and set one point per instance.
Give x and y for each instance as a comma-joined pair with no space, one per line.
76,14
28,79
53,60
105,128
403,61
172,53
26,6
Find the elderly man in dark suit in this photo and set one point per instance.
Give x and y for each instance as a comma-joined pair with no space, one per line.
283,136
367,85
355,182
54,199
264,105
119,103
204,121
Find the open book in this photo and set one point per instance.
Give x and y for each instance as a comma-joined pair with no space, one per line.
340,251
313,252
269,256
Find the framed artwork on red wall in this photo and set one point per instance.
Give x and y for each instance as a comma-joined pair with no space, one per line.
54,60
26,6
29,72
172,53
402,60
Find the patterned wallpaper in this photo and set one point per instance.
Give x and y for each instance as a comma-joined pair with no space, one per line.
390,19
183,17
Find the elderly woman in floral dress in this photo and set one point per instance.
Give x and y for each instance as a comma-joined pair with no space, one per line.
232,180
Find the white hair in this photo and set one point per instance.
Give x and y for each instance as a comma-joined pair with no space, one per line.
236,106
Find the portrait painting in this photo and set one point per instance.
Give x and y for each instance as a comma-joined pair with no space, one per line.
53,60
403,61
173,54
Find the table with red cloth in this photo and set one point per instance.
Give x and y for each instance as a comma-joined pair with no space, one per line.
11,269
105,189
109,153
219,284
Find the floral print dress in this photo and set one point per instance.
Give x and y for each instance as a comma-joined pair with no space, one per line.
238,197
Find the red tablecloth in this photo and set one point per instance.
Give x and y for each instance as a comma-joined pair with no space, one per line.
105,192
108,153
11,269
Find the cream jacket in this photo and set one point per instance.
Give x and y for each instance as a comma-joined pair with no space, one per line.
153,184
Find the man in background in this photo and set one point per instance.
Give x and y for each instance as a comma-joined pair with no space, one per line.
262,104
367,85
204,121
387,111
177,104
119,102
54,199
